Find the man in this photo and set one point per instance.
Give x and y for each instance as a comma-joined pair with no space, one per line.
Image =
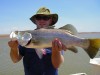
39,61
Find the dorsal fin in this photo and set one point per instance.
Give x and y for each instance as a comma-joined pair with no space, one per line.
70,28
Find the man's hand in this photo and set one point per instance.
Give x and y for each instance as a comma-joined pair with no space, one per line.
57,57
13,44
57,45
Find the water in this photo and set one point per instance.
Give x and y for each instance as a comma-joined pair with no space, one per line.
7,67
74,63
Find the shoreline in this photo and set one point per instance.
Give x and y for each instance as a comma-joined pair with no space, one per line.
4,35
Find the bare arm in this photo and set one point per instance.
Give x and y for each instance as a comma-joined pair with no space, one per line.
57,57
14,52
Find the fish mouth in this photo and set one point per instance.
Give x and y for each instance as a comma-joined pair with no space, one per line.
13,35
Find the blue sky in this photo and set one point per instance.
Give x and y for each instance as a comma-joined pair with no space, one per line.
83,14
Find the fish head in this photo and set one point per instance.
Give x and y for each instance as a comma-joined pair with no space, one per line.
13,34
22,37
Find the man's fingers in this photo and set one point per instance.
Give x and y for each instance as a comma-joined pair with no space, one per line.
13,43
57,45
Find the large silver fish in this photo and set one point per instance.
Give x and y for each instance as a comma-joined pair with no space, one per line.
42,38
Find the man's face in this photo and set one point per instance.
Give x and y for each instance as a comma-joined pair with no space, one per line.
43,21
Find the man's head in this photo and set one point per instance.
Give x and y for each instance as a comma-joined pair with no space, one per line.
44,18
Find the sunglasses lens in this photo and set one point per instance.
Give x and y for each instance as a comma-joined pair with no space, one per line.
46,18
42,17
37,17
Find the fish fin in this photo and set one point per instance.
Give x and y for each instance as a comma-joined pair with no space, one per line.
70,28
35,42
73,49
93,47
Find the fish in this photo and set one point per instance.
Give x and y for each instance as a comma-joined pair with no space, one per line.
42,38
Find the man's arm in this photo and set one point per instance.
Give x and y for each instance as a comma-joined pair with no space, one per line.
57,57
14,52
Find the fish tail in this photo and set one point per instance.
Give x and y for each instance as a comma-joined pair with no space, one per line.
93,47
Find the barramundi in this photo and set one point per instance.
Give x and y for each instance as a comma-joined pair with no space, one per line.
42,38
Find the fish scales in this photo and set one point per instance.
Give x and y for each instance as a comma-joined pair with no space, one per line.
64,36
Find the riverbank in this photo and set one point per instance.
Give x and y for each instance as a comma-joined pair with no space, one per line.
4,35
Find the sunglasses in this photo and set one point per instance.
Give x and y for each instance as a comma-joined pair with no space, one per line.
38,17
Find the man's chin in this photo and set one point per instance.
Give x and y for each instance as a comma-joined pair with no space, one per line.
43,26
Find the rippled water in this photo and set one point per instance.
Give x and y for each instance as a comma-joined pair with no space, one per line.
74,63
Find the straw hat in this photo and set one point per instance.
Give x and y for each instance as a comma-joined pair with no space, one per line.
45,11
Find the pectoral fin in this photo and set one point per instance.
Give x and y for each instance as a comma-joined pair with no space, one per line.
73,49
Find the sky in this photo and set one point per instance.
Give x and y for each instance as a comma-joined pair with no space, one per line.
83,14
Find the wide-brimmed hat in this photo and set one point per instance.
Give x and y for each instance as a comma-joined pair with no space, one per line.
45,11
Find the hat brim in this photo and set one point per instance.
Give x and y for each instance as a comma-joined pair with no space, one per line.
54,18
